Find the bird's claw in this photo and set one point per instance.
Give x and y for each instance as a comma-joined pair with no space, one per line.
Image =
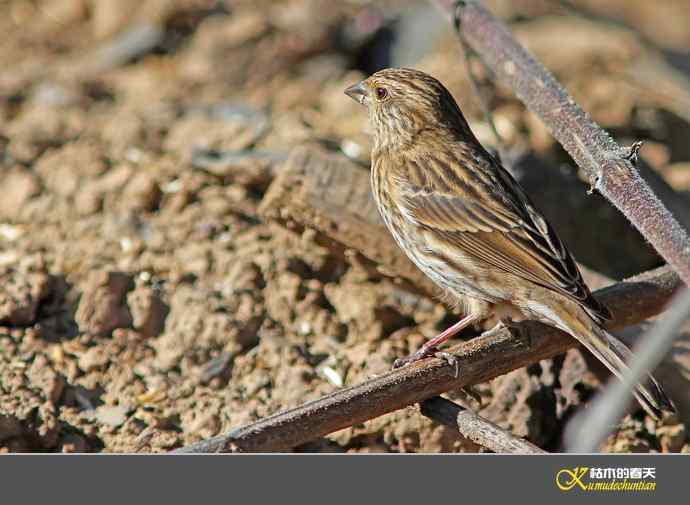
402,362
425,353
451,360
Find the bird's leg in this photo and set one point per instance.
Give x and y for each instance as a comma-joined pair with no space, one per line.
429,348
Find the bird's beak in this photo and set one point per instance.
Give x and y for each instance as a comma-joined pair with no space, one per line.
358,92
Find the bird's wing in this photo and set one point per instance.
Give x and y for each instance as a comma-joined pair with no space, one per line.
493,220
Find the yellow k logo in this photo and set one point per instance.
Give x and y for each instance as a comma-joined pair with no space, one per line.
567,479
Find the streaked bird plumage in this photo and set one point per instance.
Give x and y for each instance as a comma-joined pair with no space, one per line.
469,226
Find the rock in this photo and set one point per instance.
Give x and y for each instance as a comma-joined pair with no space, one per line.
142,193
37,129
89,200
103,306
110,16
21,185
205,424
93,358
45,378
243,26
20,296
206,319
112,415
148,311
62,169
280,295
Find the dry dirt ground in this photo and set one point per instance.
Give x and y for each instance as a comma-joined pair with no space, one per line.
145,304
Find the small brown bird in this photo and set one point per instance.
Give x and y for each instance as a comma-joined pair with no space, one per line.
469,226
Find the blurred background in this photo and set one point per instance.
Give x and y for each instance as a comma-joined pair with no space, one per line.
146,302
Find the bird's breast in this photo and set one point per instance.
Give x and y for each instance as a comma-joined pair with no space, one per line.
449,268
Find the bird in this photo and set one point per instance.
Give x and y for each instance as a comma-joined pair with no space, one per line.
467,224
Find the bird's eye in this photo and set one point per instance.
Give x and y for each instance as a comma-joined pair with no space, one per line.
381,93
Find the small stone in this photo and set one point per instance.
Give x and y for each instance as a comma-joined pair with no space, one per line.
142,193
20,296
89,200
103,306
205,425
111,415
63,170
21,185
244,26
10,427
45,378
92,359
148,311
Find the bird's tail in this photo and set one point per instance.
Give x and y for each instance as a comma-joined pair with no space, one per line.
615,355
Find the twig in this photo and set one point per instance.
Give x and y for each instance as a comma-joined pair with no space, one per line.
607,165
590,430
476,428
492,354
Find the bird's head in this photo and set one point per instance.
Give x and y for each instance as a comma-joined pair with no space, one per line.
404,103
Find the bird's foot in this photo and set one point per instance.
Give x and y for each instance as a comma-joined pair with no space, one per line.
429,348
407,360
426,353
451,360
